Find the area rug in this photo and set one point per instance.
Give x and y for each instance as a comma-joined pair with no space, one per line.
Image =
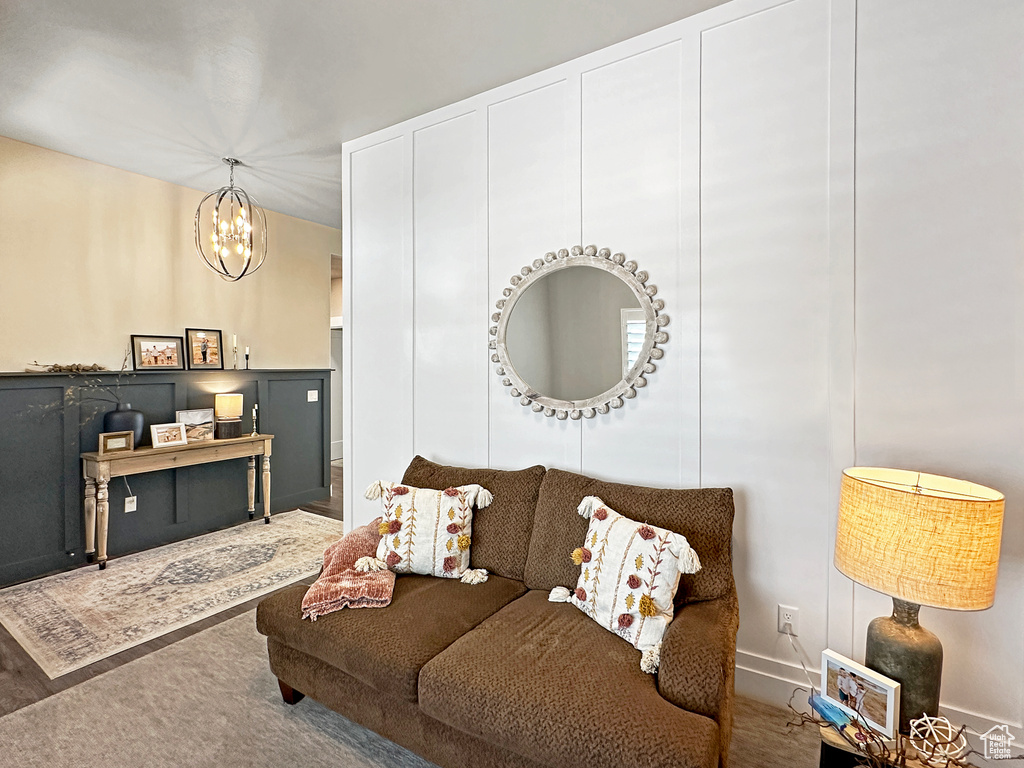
72,619
206,701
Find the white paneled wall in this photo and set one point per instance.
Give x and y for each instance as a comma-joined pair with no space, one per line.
449,375
632,124
764,273
824,312
378,284
940,218
533,204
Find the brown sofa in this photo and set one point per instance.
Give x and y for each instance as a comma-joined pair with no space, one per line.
495,675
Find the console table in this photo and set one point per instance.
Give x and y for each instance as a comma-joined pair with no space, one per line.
99,468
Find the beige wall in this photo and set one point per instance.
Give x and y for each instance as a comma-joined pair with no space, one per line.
90,254
336,308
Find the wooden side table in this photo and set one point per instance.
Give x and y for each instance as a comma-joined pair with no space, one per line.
836,752
97,469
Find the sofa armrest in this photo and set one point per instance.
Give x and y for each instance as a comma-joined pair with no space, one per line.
698,654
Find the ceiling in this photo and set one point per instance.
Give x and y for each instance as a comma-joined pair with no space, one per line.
167,88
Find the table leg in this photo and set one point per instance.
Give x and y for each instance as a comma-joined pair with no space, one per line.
90,519
252,487
103,510
266,490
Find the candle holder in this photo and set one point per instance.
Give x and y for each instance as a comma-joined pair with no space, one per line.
255,409
234,357
247,361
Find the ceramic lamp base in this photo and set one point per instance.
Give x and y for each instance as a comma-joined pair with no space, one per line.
228,428
900,648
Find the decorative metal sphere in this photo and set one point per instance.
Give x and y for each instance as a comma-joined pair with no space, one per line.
231,230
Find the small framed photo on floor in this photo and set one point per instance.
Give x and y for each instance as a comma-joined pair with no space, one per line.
116,442
198,424
157,353
861,692
203,349
167,435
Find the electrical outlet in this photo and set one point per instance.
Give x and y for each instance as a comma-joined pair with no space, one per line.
130,503
791,616
312,395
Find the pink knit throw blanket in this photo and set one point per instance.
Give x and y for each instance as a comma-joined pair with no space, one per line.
340,585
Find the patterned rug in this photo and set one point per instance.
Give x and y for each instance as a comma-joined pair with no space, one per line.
72,619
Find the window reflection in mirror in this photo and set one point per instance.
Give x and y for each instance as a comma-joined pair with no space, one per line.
575,333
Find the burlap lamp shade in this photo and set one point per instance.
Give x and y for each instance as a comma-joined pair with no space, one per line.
923,540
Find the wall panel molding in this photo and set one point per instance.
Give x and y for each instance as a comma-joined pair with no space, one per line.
738,155
43,432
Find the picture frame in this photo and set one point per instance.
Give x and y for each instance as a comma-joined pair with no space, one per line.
198,424
157,353
116,442
204,349
861,692
168,435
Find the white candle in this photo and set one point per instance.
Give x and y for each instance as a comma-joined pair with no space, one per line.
247,350
234,340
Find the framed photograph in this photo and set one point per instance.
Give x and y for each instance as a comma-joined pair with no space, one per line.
202,349
198,424
157,353
861,692
116,442
166,435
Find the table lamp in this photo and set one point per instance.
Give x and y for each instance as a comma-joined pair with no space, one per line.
228,411
923,540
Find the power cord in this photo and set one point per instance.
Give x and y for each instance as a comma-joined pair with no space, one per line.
800,654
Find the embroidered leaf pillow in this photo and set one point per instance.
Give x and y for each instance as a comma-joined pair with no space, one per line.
428,532
629,573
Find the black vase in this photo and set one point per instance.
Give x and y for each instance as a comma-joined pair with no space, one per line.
124,419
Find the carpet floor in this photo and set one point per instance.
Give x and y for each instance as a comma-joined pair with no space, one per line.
210,700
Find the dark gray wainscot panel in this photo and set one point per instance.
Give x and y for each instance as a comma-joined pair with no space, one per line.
44,427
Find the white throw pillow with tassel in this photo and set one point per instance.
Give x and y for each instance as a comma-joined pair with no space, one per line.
426,531
629,574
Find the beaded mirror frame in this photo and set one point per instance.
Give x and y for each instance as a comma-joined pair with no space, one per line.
635,378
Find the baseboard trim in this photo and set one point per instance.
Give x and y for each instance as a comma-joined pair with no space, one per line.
769,680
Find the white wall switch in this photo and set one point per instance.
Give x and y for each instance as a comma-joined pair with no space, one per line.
130,503
312,395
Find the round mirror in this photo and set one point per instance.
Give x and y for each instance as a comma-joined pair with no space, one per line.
577,332
568,334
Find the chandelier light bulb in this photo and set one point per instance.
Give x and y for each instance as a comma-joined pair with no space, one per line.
238,238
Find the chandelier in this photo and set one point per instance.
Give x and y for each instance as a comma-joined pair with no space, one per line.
231,230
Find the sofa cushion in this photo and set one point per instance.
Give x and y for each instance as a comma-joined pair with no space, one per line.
543,680
501,532
703,515
386,648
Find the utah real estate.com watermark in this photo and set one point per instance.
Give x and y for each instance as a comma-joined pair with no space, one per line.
997,741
